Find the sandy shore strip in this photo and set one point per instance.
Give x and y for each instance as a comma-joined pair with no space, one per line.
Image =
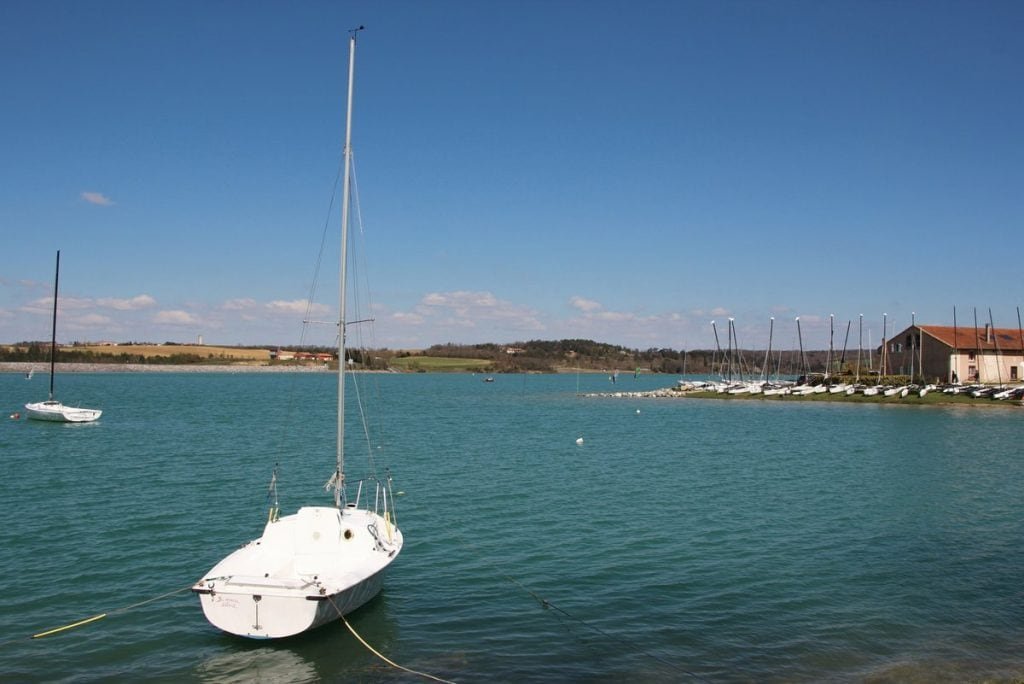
25,367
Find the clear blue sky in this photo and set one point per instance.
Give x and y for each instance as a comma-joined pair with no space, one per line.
620,171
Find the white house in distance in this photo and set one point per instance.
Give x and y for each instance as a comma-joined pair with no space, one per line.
943,353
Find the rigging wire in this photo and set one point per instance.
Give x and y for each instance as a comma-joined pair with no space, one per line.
291,394
360,294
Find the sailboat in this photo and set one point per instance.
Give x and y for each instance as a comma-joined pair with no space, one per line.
322,562
51,409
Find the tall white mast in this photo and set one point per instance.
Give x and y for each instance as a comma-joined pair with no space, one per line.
339,475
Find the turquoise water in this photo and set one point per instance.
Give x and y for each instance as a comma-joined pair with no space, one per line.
684,540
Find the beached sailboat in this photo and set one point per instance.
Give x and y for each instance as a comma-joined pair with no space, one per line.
322,562
51,409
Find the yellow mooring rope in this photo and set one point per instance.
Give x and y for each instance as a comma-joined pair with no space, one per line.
86,621
377,653
94,618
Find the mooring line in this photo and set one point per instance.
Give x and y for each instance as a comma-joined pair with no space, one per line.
546,604
377,653
86,621
95,618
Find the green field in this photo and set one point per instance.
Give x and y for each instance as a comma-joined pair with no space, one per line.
437,364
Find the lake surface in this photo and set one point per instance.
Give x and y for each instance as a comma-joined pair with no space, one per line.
683,540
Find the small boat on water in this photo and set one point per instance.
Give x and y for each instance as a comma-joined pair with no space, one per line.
52,410
320,563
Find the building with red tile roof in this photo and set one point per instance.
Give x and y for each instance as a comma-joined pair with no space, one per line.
948,353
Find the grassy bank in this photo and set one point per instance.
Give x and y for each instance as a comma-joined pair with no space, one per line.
438,364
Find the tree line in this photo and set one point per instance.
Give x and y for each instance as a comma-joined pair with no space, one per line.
533,356
588,355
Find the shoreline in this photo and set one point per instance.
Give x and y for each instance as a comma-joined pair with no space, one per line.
43,369
936,398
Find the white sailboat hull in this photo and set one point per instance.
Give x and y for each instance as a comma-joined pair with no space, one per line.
57,412
306,570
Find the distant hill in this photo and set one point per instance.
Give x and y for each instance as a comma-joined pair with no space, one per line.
546,356
169,353
533,356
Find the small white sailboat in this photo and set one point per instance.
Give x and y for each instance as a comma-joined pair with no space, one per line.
51,409
322,562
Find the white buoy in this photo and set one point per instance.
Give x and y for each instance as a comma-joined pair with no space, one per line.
638,411
579,440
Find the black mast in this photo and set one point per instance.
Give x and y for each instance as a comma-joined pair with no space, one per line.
53,337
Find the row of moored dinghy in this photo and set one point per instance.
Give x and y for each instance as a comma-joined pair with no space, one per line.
782,388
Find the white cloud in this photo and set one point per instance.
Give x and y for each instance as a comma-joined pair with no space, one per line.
613,316
462,300
468,309
142,301
295,307
176,317
97,198
251,309
89,321
586,305
74,303
38,306
243,304
408,318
